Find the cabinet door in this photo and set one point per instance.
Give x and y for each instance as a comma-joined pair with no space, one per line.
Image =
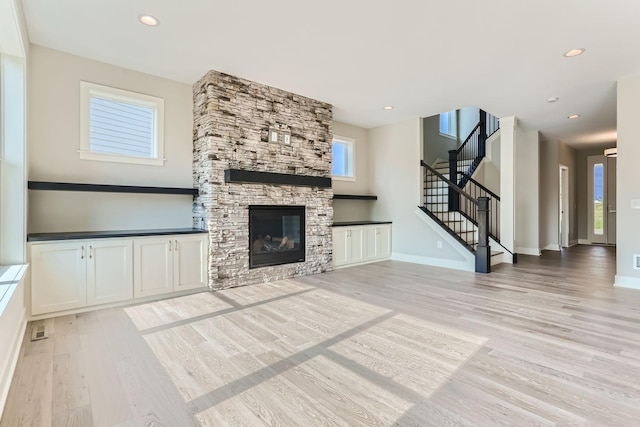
383,241
190,261
109,271
152,266
341,246
356,238
58,277
370,242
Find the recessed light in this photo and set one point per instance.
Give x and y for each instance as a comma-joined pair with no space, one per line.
573,116
388,107
552,99
149,20
574,52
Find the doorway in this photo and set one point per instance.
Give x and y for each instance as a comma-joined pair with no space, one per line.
602,199
564,207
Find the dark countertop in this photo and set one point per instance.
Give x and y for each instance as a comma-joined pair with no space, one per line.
352,223
75,235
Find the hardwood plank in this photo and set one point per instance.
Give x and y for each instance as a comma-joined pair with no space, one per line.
547,341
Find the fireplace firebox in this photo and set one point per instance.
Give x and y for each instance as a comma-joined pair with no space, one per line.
276,235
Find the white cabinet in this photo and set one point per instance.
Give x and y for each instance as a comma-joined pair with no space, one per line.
153,272
58,277
348,245
109,271
190,262
169,264
75,274
360,244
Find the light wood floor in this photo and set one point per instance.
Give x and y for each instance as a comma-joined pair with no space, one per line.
546,342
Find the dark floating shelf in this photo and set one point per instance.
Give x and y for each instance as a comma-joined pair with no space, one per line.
73,235
353,197
255,177
104,188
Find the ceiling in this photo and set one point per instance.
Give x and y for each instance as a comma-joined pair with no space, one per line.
421,56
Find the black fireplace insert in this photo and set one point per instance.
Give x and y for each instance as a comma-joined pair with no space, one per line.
276,235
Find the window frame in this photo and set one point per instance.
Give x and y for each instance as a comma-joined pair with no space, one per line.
351,149
89,90
453,124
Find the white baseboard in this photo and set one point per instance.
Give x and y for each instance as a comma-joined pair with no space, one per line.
584,241
528,251
435,262
627,282
573,243
552,247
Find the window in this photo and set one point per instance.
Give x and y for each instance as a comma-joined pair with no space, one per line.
449,124
598,198
342,167
120,126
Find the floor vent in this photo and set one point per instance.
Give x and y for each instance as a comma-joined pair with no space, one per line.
38,332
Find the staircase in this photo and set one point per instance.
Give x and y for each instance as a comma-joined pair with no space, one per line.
466,209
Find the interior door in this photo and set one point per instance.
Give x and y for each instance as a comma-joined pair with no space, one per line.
611,200
597,199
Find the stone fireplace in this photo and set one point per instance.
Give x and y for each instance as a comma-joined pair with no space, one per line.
266,204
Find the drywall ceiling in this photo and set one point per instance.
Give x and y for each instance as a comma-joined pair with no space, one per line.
423,57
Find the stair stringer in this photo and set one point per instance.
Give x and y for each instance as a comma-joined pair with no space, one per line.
468,262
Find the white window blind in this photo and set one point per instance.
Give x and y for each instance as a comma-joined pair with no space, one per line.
120,126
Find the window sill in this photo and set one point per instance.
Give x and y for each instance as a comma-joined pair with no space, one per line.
10,277
344,178
87,155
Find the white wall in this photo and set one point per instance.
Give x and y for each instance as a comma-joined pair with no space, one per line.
567,156
12,326
508,142
53,142
468,118
628,231
353,210
436,146
549,193
396,178
527,191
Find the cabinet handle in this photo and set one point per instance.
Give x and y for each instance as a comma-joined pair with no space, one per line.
90,252
82,255
176,244
169,245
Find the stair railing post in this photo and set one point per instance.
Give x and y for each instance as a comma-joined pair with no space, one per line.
454,196
483,252
482,138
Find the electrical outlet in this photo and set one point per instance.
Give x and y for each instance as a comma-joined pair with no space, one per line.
439,244
287,138
636,261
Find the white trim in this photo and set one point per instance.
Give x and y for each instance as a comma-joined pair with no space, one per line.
435,262
552,247
89,90
351,143
627,282
584,241
355,264
468,262
528,251
573,243
12,316
343,178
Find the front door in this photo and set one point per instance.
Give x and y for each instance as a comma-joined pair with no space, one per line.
601,172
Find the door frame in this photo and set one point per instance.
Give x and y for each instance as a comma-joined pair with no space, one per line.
564,225
591,161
